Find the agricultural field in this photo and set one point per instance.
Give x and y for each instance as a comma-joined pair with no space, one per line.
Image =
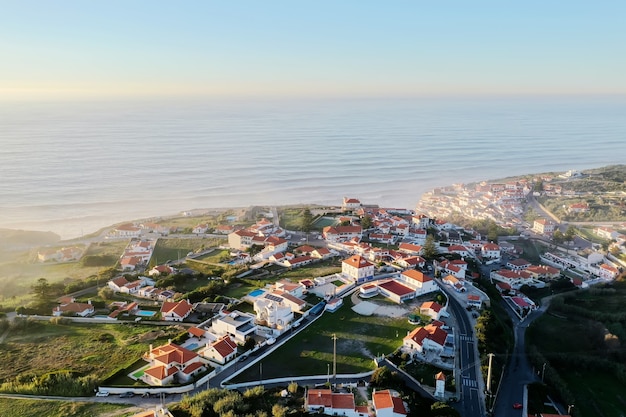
359,340
37,408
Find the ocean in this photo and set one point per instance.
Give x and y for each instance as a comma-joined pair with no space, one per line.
73,167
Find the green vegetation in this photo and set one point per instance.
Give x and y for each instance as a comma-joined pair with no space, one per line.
37,408
253,402
19,272
359,339
58,359
177,248
581,341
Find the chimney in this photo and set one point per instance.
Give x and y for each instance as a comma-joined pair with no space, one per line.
89,301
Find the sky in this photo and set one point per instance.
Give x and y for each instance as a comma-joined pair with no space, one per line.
242,48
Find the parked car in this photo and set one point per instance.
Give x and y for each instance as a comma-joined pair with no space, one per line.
127,394
517,406
102,394
271,341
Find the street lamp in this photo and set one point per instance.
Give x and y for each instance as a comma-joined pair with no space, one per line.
328,374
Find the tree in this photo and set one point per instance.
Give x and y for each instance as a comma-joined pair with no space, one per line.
41,290
430,248
558,237
366,222
306,221
279,410
292,387
106,293
570,233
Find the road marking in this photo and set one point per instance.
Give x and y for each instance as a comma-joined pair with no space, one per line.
467,338
469,382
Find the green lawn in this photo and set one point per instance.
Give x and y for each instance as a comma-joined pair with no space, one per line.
360,338
214,256
175,248
37,408
314,270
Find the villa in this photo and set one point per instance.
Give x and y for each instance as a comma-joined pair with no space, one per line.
171,363
236,324
357,268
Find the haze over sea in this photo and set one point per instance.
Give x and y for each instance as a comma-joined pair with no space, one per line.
73,167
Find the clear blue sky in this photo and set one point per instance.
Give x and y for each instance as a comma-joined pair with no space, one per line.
62,48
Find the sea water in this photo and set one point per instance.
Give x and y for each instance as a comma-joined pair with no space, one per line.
73,167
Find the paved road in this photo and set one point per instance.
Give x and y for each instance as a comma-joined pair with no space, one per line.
471,402
518,373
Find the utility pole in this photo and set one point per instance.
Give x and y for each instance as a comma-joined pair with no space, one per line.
328,374
260,373
334,356
491,355
543,370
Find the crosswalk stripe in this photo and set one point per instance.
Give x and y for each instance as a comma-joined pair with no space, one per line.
470,383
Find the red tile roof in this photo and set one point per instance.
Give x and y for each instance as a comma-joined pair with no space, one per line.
434,333
396,288
180,308
384,399
224,346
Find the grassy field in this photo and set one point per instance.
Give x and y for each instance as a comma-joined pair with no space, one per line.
597,392
359,339
215,256
89,349
314,270
291,218
17,275
37,408
175,248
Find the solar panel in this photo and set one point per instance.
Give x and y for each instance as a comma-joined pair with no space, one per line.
274,298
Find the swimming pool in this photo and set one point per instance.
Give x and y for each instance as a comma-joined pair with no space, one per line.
192,346
145,313
256,293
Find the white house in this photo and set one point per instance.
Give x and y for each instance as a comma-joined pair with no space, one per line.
429,337
490,251
221,351
432,309
333,403
236,324
176,311
357,268
421,283
388,403
273,312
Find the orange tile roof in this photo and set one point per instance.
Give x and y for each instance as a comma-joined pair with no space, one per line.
196,331
172,353
357,261
416,275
